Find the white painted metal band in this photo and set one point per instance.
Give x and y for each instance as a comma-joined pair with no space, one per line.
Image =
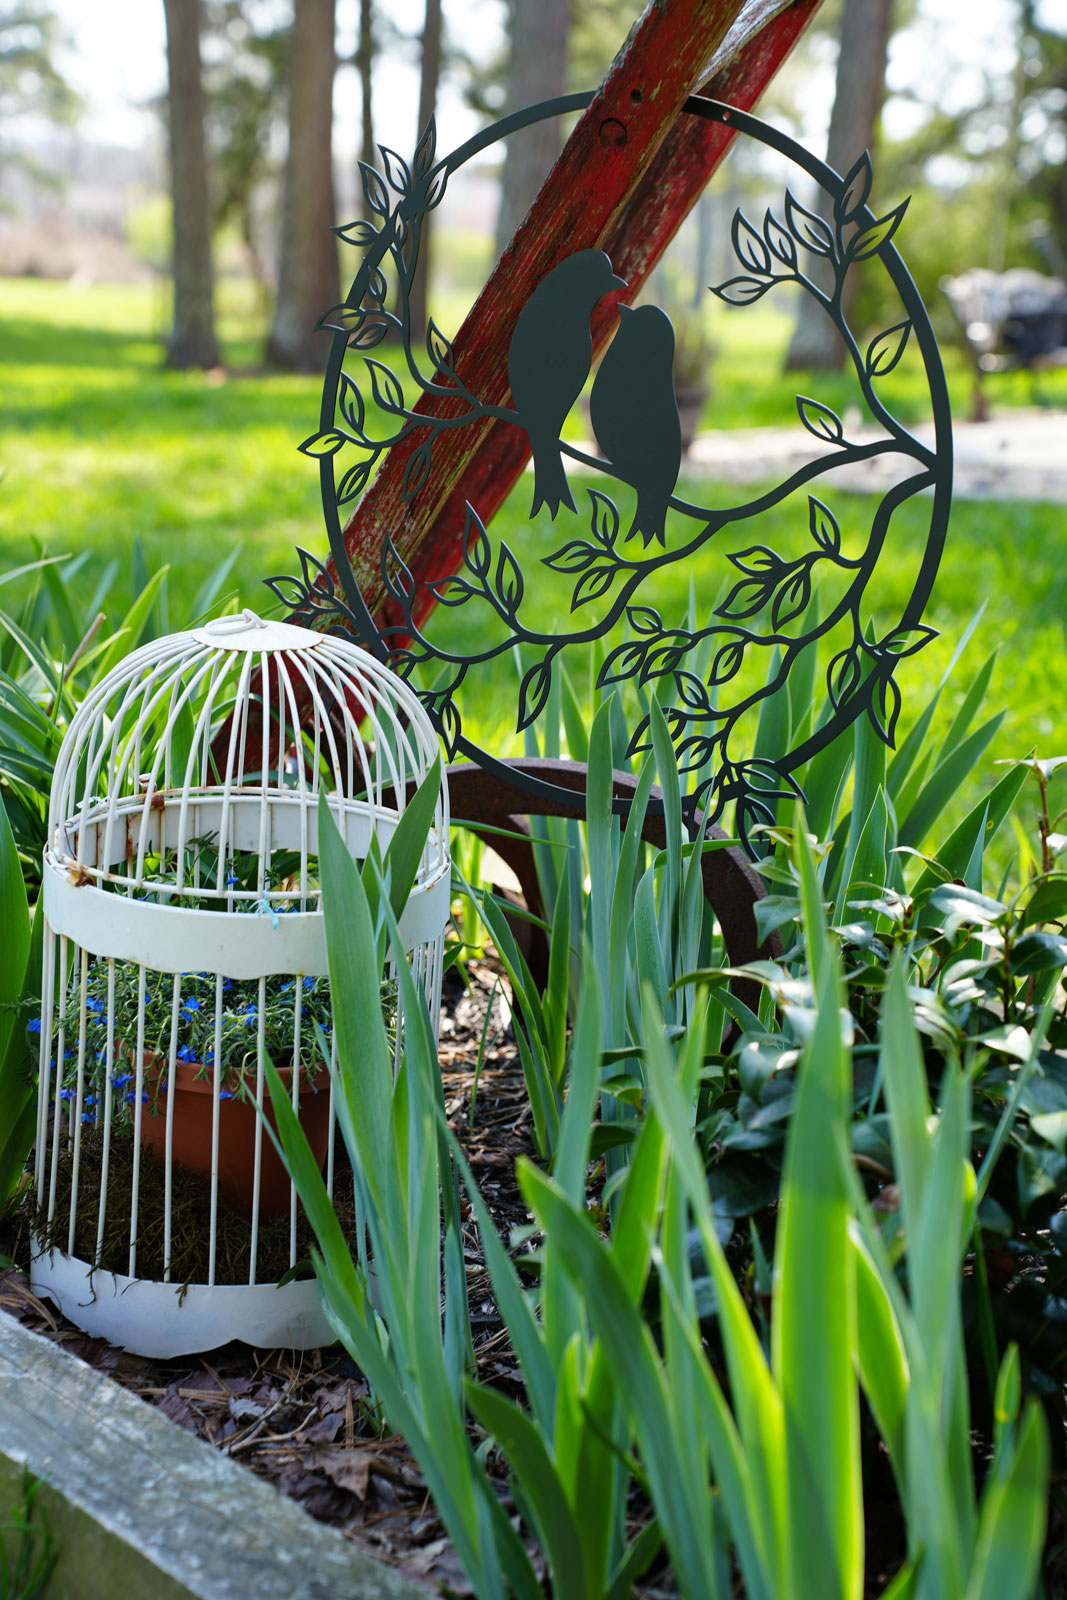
167,1319
193,814
174,939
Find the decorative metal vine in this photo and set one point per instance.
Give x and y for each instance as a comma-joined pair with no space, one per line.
767,605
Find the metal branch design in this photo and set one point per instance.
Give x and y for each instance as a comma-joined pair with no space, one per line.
768,606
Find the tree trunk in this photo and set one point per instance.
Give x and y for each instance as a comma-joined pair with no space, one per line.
538,31
365,68
192,341
431,71
858,95
308,276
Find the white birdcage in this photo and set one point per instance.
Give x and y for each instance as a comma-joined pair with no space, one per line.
184,939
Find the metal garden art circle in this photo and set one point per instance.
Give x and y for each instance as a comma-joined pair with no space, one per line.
768,609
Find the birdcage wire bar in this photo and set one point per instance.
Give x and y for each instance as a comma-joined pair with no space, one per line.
186,775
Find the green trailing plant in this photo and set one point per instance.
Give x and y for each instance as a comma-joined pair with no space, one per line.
113,993
186,1011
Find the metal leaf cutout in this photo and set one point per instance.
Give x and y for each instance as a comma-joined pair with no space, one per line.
533,693
886,349
854,190
808,229
749,248
374,191
879,233
820,420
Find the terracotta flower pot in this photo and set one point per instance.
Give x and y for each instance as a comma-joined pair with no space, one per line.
191,1137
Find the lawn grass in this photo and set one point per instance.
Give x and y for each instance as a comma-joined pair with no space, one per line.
101,449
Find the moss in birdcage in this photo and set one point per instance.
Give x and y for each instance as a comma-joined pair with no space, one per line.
190,1219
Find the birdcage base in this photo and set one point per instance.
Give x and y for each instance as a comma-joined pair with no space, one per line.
167,1319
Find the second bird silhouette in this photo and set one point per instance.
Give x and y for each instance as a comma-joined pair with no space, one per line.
634,413
549,359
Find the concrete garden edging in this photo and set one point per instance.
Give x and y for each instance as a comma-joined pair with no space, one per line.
139,1507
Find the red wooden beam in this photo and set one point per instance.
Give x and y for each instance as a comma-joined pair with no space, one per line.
627,177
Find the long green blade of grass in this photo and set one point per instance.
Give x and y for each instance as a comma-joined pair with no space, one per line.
1011,1532
813,1331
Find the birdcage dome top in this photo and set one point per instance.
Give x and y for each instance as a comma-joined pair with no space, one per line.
190,776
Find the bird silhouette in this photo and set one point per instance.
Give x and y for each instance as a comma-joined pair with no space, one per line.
548,362
634,414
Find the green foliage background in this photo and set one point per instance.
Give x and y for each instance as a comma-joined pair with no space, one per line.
104,451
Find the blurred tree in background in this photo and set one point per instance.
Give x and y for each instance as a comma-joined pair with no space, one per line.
308,275
366,45
537,70
986,178
29,80
251,134
429,78
863,53
246,69
192,341
1043,132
